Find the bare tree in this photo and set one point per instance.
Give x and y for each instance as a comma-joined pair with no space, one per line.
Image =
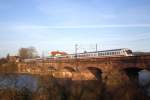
29,52
32,52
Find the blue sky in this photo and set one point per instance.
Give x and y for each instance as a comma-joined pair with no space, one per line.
60,24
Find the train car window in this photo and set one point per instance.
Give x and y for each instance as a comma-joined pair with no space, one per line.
101,54
110,53
107,53
119,52
116,53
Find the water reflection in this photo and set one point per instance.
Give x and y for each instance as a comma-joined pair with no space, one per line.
18,82
144,81
49,88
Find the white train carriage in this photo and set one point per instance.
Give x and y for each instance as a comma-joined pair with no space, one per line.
116,52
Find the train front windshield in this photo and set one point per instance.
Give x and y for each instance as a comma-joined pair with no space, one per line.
129,52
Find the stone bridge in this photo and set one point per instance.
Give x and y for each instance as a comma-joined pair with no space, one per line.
105,68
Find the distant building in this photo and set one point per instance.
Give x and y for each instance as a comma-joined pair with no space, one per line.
14,59
57,54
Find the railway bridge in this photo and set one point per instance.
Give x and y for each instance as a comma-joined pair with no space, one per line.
125,67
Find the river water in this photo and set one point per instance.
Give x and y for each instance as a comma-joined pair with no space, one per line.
18,82
91,89
144,80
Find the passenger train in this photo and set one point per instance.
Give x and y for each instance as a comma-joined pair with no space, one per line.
105,53
114,52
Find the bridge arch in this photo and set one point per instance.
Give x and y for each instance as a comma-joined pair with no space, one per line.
132,73
70,69
65,72
51,68
97,72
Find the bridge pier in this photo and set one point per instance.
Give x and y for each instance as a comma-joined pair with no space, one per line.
114,78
